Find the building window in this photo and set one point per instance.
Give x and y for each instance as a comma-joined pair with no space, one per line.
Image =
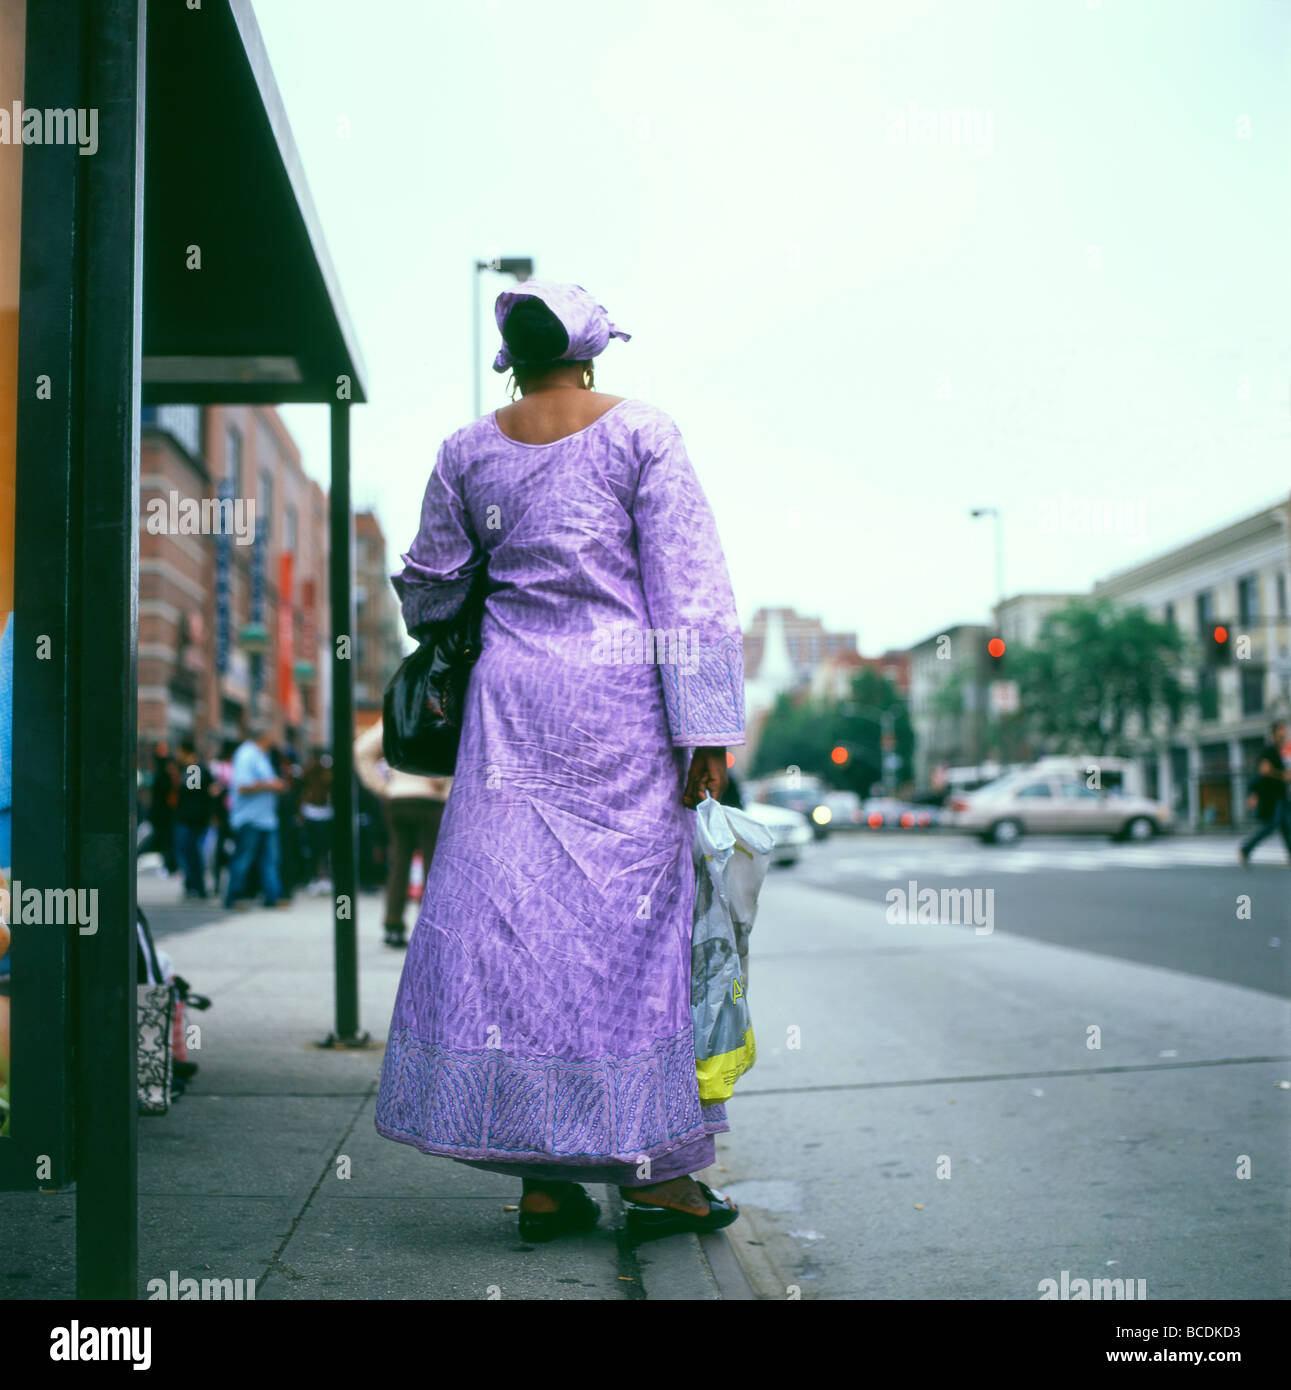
1282,594
1169,613
266,500
1179,778
233,458
289,530
1251,750
1208,694
182,422
1252,691
1248,599
1205,610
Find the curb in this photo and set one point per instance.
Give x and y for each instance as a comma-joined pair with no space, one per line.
732,1281
675,1269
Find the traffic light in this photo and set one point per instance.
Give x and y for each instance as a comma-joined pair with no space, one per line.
1002,693
1219,651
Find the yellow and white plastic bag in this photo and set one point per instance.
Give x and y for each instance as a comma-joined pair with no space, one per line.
732,852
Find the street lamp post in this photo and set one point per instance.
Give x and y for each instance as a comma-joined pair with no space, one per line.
994,513
519,266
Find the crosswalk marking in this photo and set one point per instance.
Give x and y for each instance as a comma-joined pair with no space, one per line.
951,860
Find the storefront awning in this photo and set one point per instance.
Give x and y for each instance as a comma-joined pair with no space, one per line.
262,320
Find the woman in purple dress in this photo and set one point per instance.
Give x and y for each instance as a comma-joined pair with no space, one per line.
542,1026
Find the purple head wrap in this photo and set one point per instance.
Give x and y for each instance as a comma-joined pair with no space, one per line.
586,321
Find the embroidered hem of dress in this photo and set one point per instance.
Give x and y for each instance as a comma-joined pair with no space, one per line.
488,1107
690,1158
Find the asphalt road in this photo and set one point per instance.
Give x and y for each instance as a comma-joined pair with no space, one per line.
1098,1085
1157,904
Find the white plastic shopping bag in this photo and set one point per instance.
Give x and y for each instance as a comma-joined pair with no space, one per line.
731,855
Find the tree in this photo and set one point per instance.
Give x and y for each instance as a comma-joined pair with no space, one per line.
790,737
804,733
1092,665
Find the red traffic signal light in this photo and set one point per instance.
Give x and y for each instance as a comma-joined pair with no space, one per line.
996,647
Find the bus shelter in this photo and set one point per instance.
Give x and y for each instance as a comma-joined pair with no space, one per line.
178,260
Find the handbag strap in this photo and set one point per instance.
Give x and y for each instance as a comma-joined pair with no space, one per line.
153,965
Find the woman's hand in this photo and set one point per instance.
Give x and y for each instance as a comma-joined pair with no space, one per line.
707,774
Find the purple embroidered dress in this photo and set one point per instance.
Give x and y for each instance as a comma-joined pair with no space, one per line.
542,1026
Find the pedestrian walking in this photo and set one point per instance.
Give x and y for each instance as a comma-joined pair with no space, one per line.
317,815
1268,795
161,807
288,770
374,840
414,807
194,811
254,818
222,771
542,1026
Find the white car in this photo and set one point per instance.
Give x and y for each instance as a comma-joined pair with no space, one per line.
1039,801
790,829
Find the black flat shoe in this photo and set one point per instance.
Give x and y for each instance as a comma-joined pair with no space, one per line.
648,1223
578,1212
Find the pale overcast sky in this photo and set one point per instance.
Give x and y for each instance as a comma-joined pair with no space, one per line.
1077,312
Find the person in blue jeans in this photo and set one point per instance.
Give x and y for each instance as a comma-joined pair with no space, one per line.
253,817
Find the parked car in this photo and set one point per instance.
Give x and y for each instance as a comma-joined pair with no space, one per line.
839,811
789,829
1043,801
808,801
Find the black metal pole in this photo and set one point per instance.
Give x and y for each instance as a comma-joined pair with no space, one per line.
40,1149
344,823
106,494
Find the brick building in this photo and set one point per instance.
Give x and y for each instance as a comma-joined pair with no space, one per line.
805,638
233,597
832,679
378,625
782,651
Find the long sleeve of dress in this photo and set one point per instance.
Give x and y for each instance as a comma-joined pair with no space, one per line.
689,598
444,556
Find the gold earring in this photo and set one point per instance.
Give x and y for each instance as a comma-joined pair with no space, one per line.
589,379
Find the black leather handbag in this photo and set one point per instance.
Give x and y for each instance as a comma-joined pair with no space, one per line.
421,723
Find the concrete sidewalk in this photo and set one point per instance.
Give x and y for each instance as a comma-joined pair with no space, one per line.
269,1168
